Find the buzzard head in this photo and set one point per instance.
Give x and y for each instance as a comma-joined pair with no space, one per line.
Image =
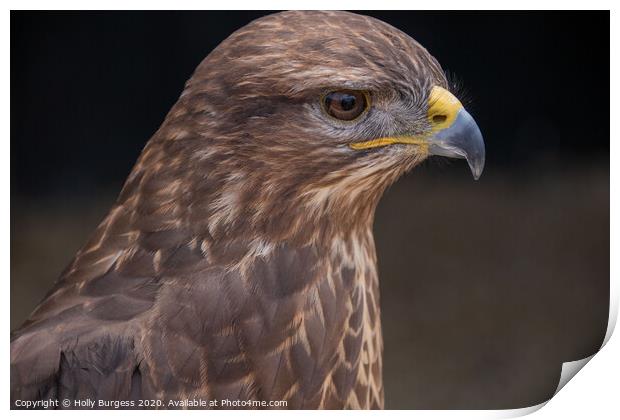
299,115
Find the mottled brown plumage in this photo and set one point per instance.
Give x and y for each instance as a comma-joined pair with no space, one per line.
238,261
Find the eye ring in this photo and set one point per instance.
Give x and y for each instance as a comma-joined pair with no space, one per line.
345,105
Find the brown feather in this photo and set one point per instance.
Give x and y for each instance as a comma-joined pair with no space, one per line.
238,261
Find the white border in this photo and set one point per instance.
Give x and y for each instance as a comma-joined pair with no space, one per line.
594,394
310,4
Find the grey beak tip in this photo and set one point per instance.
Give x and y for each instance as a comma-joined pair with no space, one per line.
476,166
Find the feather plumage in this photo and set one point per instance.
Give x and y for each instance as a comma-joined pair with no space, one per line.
238,261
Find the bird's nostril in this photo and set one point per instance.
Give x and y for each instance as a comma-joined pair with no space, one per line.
439,118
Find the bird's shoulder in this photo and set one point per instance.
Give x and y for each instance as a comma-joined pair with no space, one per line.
87,331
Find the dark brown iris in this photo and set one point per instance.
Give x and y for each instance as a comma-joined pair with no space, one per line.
345,105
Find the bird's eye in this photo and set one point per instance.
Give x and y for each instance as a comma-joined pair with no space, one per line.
345,105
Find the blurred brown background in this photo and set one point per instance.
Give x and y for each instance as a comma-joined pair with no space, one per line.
487,287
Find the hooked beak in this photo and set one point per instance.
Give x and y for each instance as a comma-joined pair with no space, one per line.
454,133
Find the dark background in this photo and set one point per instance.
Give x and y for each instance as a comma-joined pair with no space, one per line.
487,287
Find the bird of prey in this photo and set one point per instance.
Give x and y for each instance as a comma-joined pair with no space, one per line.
238,262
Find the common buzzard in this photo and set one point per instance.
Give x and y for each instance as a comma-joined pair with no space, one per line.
238,262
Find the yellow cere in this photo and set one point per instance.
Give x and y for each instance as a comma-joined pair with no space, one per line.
443,108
